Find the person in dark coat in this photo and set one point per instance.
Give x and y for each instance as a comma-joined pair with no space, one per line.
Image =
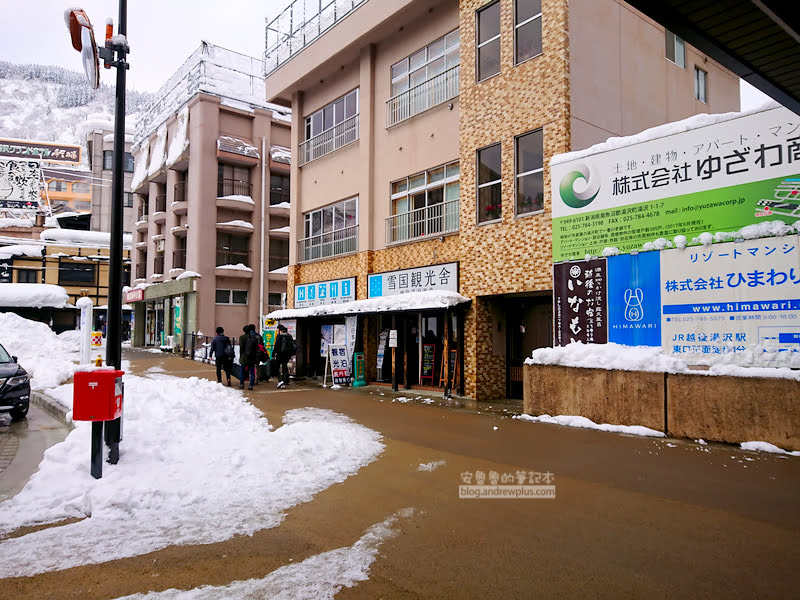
282,354
248,348
222,360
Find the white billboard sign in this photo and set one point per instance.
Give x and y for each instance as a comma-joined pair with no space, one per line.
325,292
442,277
19,183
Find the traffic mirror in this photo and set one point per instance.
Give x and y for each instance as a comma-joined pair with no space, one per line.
82,37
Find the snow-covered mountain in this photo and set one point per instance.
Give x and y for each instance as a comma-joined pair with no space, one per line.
46,103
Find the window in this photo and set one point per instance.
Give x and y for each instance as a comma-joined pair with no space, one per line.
82,206
332,115
529,173
231,297
424,204
27,276
331,128
274,300
81,188
330,231
233,249
700,84
76,273
128,164
127,200
490,200
676,49
232,180
278,254
278,188
489,41
108,160
527,29
57,186
433,59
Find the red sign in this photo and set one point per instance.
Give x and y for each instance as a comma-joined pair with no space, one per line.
136,295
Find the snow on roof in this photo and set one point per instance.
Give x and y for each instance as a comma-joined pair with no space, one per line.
140,169
238,223
237,197
400,302
689,124
75,236
33,295
15,250
14,222
281,154
179,142
159,152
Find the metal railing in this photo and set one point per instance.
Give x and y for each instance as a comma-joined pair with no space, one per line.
143,211
233,187
158,264
437,219
324,245
161,203
435,91
141,270
226,256
302,22
179,258
180,192
329,141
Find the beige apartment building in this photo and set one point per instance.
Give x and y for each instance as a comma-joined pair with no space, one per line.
211,191
100,149
422,131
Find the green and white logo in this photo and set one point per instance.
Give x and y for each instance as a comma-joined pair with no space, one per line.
583,198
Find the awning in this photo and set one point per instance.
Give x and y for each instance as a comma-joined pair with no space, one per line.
400,302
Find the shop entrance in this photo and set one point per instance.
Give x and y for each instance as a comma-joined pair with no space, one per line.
529,326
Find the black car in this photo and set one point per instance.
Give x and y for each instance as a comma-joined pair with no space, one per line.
15,387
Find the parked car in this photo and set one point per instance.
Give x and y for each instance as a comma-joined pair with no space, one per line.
15,387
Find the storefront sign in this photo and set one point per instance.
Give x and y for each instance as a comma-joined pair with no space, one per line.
19,184
177,319
340,364
326,339
269,333
719,177
393,338
46,151
323,293
428,360
579,296
733,302
135,295
420,279
634,299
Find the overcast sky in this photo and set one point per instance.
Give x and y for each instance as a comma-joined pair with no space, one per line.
161,33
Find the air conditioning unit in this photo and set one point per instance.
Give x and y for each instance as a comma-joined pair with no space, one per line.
160,246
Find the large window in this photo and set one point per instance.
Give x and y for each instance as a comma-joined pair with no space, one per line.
27,276
700,84
127,200
424,204
529,173
490,199
233,249
489,41
79,273
527,29
108,161
278,254
57,186
330,231
331,128
676,49
231,297
232,180
278,188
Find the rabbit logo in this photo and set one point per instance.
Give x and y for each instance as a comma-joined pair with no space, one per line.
633,304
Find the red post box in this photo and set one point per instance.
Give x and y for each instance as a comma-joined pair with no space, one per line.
97,395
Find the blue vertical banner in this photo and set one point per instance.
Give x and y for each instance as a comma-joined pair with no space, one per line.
634,299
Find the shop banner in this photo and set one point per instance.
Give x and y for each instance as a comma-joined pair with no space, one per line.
19,184
634,299
325,292
177,320
350,325
734,302
579,296
718,177
340,364
269,331
326,339
46,151
420,279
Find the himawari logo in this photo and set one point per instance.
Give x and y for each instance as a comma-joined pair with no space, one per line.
575,199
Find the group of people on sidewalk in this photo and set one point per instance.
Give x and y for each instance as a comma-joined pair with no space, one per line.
251,354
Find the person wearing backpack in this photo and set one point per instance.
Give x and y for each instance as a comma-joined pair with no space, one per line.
223,352
248,348
282,352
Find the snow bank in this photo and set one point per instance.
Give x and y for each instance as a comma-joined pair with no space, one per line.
608,356
584,423
33,295
767,447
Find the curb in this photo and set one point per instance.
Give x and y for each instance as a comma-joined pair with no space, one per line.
52,406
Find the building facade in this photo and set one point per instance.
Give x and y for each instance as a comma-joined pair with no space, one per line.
100,151
67,189
211,194
423,130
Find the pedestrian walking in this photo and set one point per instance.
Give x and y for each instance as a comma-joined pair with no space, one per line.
282,352
248,347
258,357
222,351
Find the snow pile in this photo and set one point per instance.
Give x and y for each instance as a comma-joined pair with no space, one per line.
237,223
140,168
187,274
15,222
767,447
281,154
48,358
15,250
238,198
281,271
179,142
236,267
659,244
159,151
584,423
33,295
608,356
430,466
320,577
281,205
198,465
754,231
284,229
75,236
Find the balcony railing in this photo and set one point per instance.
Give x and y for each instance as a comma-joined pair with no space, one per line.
329,141
180,192
328,244
158,264
233,187
301,23
420,98
143,211
141,270
437,219
226,256
161,203
179,258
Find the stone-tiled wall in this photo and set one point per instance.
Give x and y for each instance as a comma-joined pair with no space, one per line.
514,254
